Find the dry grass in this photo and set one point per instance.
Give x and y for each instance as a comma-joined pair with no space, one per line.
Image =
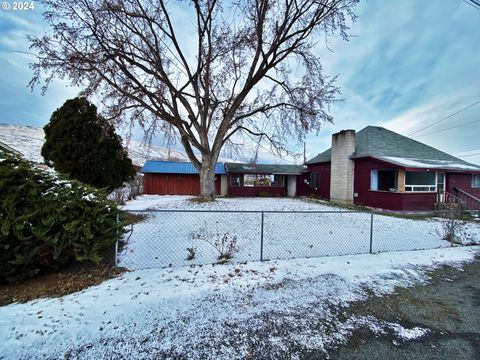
63,282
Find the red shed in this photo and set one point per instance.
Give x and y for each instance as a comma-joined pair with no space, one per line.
177,178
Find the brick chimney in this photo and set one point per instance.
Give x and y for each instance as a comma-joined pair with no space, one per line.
341,178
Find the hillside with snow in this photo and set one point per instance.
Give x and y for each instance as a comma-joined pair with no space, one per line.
28,140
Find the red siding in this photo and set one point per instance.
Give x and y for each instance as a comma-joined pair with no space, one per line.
174,184
385,199
324,191
463,182
251,191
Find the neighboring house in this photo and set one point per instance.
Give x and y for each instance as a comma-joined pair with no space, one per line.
9,149
262,179
379,168
178,178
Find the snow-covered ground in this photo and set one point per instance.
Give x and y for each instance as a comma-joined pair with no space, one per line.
29,140
164,238
219,311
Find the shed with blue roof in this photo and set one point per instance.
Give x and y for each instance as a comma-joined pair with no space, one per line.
178,178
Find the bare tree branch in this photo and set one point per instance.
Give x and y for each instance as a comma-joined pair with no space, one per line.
228,73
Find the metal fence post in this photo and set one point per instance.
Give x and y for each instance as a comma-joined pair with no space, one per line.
116,243
452,228
371,232
261,239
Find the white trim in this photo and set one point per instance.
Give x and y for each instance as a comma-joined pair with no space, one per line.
419,187
374,180
475,181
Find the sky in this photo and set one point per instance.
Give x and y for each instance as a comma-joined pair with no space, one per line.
407,65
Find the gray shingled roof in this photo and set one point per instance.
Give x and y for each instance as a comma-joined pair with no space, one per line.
375,141
264,169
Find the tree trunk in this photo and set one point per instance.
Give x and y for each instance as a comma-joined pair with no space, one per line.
207,180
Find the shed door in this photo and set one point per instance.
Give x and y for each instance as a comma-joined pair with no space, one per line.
291,185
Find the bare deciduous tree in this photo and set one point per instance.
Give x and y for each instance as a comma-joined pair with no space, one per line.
244,67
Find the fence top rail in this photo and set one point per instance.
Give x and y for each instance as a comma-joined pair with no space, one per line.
252,211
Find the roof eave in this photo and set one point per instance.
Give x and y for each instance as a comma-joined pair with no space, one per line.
419,168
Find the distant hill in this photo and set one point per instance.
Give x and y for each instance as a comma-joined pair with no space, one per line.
28,140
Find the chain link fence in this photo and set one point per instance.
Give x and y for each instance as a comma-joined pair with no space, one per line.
172,238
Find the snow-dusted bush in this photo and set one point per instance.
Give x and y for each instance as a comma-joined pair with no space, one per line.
225,244
48,221
129,191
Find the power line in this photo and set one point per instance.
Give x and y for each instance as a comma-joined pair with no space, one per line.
445,118
449,128
467,151
473,3
469,155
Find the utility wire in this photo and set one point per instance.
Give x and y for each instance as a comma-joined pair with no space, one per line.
473,3
445,118
449,128
469,155
467,151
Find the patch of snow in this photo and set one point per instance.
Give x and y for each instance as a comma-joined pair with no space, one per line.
89,197
426,163
408,334
27,140
213,311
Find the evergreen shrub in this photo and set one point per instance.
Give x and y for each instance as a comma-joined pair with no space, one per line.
47,221
84,145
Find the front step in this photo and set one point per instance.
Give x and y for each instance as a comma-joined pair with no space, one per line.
449,206
457,210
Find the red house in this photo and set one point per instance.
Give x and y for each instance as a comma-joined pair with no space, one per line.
379,168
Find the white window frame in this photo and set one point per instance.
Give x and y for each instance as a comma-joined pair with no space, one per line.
421,188
374,180
475,181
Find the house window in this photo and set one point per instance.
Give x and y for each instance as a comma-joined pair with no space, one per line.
475,180
236,180
383,180
263,180
315,180
278,180
249,179
420,181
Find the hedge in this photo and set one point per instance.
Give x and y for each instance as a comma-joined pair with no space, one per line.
48,221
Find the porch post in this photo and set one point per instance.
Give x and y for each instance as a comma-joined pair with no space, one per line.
401,180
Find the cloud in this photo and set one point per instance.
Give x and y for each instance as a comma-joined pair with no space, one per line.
409,64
